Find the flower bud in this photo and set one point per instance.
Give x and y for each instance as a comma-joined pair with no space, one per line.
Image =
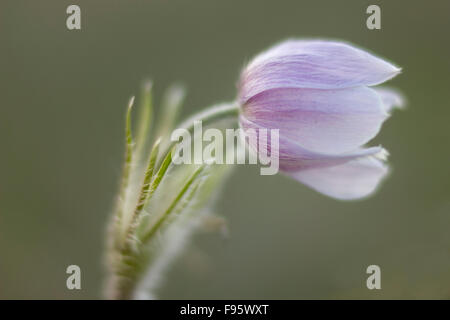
318,95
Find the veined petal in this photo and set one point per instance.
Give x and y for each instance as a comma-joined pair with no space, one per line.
324,121
293,157
391,98
352,180
313,64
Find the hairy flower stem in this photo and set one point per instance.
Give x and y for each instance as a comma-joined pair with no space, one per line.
209,115
129,253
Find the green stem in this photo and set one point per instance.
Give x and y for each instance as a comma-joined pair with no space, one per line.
209,115
212,114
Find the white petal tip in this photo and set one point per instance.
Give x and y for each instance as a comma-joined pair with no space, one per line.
391,98
353,180
382,155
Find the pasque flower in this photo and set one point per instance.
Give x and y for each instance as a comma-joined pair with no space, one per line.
318,94
315,93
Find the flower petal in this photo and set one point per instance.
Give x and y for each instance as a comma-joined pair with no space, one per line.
352,180
324,121
391,98
313,64
293,157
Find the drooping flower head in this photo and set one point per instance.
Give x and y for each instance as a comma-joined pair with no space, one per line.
318,94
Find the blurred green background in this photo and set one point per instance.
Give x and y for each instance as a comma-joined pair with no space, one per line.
63,96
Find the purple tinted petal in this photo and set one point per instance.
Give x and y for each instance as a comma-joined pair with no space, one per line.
293,157
391,98
352,180
313,64
324,121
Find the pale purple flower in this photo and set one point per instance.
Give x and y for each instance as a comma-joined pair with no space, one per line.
317,94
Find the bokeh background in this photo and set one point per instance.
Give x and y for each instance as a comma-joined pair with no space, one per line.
63,96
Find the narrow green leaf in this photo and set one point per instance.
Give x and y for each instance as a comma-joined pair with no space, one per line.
145,117
174,203
128,157
153,185
144,193
160,174
117,217
188,197
148,174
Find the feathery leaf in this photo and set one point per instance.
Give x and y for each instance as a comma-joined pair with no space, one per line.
174,203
